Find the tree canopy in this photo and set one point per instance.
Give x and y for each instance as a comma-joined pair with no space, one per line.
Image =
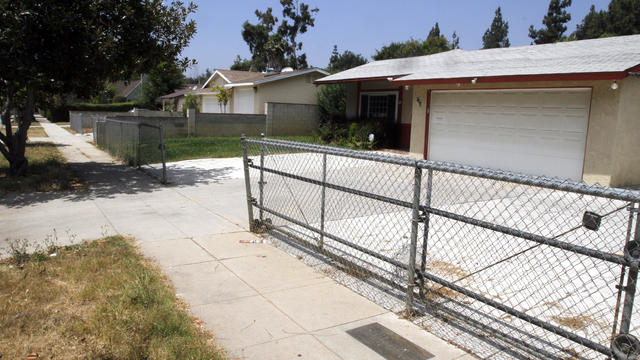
276,47
61,47
497,35
434,43
554,23
161,80
621,18
347,60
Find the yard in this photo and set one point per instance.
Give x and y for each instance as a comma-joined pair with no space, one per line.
99,300
48,171
214,147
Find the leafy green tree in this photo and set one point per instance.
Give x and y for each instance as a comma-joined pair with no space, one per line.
73,47
621,18
332,102
278,47
223,96
190,102
434,43
497,35
347,60
162,80
555,23
241,64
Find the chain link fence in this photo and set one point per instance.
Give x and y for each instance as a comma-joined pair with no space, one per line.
135,143
502,264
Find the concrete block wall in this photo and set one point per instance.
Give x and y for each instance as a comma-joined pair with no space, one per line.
172,127
80,120
292,119
207,124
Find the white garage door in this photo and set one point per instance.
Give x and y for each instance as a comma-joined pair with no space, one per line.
243,100
540,132
210,105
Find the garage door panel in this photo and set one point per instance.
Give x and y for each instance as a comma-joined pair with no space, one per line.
539,132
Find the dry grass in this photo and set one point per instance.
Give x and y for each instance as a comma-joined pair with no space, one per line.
34,131
444,267
96,300
577,322
47,171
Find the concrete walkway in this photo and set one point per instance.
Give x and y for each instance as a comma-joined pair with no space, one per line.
259,301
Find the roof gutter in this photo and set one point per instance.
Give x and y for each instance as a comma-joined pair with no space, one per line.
377,78
617,75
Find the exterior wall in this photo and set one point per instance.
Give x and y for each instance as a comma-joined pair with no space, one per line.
626,148
294,90
292,119
608,143
229,124
80,120
172,127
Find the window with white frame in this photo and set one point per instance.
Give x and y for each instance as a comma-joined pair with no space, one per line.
381,105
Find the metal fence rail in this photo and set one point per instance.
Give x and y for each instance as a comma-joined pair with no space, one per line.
135,143
498,262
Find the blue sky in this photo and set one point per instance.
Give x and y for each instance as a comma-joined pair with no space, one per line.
363,26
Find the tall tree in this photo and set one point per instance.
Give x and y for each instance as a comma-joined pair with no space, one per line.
161,80
241,64
594,25
555,23
73,47
434,43
622,18
347,60
497,35
278,47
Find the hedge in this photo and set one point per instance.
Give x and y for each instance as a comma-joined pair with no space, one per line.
60,113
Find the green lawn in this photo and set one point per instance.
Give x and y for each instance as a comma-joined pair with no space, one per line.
214,147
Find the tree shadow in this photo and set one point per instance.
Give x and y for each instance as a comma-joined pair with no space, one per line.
106,180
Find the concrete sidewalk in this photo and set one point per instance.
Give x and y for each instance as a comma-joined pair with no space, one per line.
259,301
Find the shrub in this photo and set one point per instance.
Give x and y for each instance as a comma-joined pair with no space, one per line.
354,135
332,102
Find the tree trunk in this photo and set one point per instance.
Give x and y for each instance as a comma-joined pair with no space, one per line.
15,143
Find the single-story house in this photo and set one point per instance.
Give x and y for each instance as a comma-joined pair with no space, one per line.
250,91
569,109
175,100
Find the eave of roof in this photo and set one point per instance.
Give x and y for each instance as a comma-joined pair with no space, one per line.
595,59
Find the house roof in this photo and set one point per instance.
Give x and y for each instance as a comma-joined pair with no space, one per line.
185,88
614,55
124,88
247,78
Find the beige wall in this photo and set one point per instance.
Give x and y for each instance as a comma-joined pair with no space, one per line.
611,148
294,90
626,148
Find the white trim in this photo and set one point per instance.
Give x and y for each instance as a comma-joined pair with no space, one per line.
584,88
287,75
214,74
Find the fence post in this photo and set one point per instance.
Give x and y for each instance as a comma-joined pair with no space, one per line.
323,198
164,156
138,152
425,236
261,182
632,280
415,220
247,184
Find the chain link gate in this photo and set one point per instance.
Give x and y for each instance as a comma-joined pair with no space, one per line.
135,143
500,263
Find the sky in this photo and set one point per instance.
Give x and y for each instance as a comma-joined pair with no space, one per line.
363,26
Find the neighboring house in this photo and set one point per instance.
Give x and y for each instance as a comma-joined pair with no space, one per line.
129,89
176,98
252,90
570,109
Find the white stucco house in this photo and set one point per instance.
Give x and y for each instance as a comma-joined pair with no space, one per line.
252,90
